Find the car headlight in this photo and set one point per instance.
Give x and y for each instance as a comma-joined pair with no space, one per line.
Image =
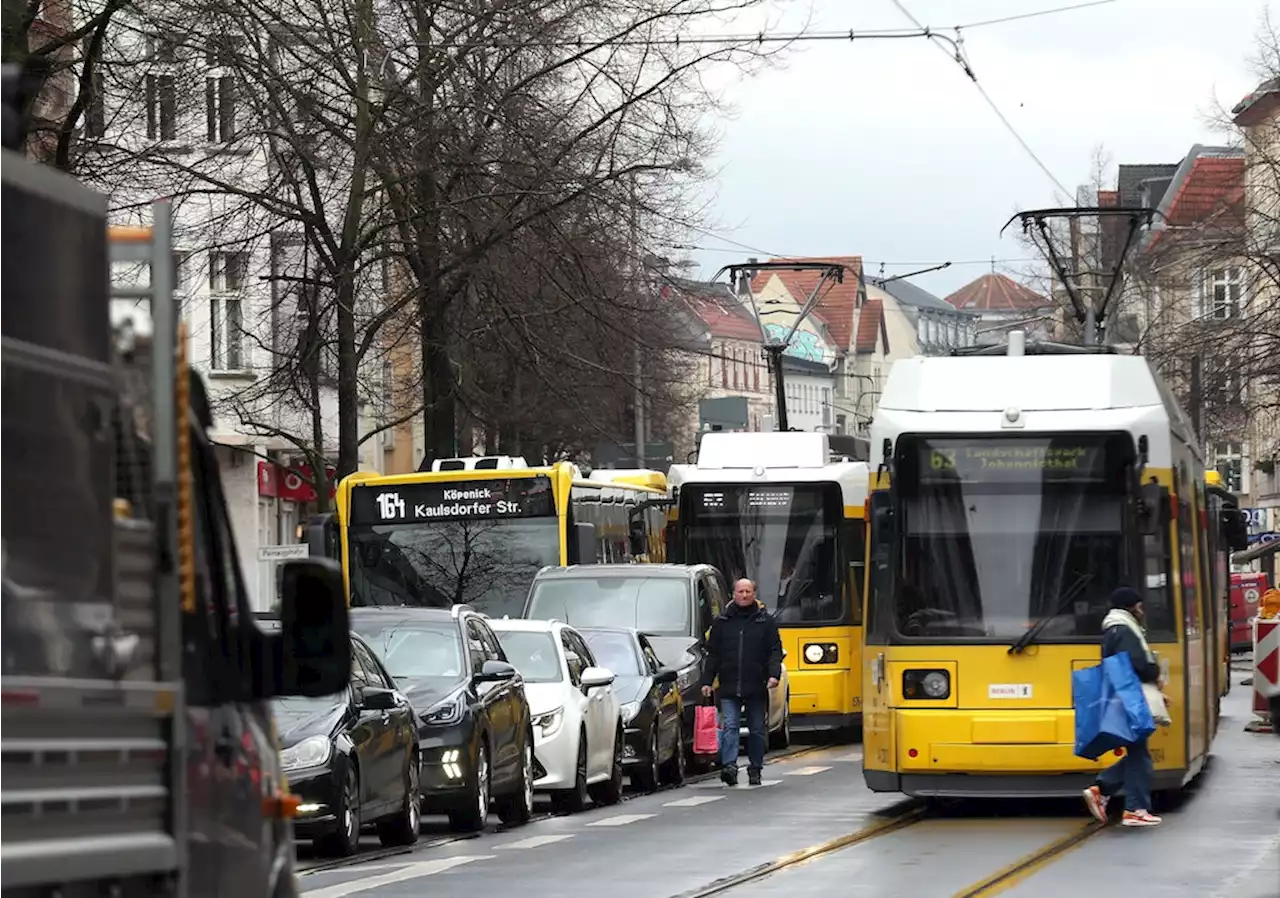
821,653
629,711
549,722
310,752
687,678
447,712
929,685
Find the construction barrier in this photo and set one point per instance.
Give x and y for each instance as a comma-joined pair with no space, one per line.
1266,665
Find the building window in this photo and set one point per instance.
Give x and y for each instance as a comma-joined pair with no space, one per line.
755,374
1220,294
1229,460
724,365
227,274
220,91
922,333
162,107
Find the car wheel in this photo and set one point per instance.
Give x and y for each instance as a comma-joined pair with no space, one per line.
474,816
782,737
574,800
648,777
673,771
610,791
402,829
345,838
516,809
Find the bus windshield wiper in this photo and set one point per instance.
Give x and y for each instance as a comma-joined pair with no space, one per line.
1026,638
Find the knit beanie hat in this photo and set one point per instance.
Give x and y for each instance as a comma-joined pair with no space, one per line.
1124,597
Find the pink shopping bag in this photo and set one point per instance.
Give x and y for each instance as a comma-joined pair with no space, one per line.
706,730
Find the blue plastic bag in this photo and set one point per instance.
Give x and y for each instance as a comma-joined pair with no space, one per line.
1110,709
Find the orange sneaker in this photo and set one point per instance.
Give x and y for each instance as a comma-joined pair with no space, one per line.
1096,802
1140,818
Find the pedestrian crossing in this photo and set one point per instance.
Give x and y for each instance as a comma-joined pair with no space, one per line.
378,874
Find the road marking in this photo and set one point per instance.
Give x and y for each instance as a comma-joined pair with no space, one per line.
534,842
408,871
852,756
805,771
620,820
763,783
694,801
720,785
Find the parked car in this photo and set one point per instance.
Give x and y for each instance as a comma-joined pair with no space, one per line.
577,722
352,759
650,702
473,720
672,604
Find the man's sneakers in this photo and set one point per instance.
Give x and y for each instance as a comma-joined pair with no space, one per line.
1140,818
753,776
729,776
1096,802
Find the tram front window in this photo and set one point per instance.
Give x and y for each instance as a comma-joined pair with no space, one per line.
1000,534
782,537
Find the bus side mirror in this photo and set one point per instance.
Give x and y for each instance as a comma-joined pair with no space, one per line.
880,506
312,655
584,536
323,540
1153,510
1234,529
638,537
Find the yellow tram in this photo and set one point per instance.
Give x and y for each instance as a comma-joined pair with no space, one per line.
780,509
1012,493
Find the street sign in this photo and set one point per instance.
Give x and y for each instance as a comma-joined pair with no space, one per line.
283,553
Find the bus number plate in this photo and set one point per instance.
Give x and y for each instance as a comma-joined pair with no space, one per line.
1009,690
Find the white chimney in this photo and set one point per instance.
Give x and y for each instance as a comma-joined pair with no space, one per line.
1017,343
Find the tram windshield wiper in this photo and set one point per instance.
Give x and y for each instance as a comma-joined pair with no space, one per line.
1068,597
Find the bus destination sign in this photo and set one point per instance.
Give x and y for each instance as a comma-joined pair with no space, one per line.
978,460
750,499
461,500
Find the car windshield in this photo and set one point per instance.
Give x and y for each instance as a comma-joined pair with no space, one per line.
1000,534
782,537
416,650
649,604
487,564
533,654
615,651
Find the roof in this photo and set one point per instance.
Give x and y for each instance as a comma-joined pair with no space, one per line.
997,293
908,294
717,307
401,612
870,324
1258,105
1208,186
615,570
838,307
1131,178
523,625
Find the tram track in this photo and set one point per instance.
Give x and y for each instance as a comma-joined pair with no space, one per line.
372,855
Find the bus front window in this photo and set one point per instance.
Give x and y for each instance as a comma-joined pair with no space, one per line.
782,537
487,563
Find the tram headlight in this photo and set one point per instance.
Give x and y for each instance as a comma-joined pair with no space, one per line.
821,653
928,685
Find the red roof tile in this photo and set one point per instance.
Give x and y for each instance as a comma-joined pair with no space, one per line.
724,316
996,293
869,323
1212,192
1108,198
838,308
1259,105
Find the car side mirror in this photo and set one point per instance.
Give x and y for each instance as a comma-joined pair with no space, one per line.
666,675
375,698
495,672
311,655
595,677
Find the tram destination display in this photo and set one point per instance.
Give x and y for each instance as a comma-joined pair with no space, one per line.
728,500
1011,460
413,503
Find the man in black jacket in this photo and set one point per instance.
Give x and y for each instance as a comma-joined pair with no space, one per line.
1122,632
745,651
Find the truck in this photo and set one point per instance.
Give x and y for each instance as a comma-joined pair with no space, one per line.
139,752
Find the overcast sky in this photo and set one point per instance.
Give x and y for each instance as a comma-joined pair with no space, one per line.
886,150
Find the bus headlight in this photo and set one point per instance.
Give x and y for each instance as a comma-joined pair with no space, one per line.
821,653
930,685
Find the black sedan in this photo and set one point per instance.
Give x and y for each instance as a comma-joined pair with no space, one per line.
352,759
652,710
473,725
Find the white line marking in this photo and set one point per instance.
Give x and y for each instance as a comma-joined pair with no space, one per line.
620,820
804,771
534,842
720,785
409,871
763,783
852,756
694,801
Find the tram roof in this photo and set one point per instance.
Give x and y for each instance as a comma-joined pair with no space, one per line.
773,457
1051,392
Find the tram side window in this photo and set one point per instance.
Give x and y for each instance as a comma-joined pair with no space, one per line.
855,556
1158,566
1187,569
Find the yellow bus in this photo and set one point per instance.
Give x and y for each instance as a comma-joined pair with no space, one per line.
476,530
1226,532
776,508
1011,495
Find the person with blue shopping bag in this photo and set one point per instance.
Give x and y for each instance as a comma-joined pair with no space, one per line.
1122,632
